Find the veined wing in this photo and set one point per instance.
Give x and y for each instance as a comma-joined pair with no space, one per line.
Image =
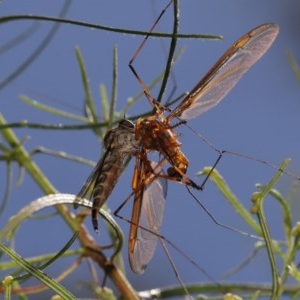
119,143
101,166
228,70
92,178
105,181
147,213
103,178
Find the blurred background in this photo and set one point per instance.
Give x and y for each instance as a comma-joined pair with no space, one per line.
259,117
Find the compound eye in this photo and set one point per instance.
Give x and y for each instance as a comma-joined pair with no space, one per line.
126,123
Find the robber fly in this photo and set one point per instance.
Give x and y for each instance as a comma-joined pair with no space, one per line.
119,143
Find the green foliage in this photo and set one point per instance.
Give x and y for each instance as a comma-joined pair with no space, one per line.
13,151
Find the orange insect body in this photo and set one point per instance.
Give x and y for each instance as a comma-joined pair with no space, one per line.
158,135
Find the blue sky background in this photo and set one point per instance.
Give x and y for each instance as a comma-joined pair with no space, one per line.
260,117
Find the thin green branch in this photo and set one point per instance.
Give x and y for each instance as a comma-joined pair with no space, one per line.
62,154
205,287
23,158
108,28
221,184
258,200
88,99
8,187
171,51
23,66
51,110
53,258
44,278
25,124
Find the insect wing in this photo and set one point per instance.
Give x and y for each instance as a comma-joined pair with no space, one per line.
228,70
148,211
112,157
90,181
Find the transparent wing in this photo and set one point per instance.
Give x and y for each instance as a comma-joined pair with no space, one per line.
91,179
228,70
112,161
148,211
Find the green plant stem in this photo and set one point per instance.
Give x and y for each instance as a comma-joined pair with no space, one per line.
20,155
14,18
258,199
42,276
